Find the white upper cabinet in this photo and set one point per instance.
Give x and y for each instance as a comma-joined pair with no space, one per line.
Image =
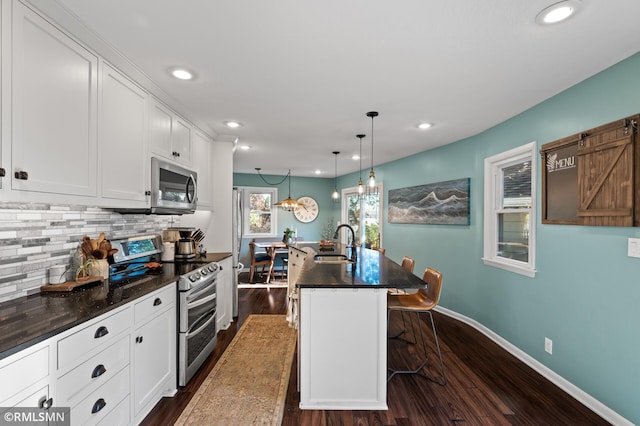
123,138
53,109
201,148
181,141
170,136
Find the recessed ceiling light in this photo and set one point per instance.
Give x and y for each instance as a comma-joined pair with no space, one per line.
318,172
245,147
182,73
355,157
557,12
424,126
233,124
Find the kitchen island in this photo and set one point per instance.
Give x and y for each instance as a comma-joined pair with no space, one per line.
343,327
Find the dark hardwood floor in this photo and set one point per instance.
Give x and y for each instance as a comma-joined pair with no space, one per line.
486,385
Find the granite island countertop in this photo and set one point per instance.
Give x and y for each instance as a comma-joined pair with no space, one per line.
371,270
29,320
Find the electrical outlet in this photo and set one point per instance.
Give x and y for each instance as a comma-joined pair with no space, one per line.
548,345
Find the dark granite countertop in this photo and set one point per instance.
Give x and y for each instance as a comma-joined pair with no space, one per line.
371,270
28,320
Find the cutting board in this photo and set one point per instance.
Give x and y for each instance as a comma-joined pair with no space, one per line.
71,285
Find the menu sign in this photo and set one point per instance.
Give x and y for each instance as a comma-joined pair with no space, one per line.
560,183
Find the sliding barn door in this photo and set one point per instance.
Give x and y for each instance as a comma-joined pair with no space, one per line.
606,181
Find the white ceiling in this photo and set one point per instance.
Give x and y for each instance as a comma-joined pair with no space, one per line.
301,75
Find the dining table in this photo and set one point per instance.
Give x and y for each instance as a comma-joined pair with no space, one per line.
280,248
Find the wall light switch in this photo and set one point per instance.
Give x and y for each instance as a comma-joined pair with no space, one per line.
634,247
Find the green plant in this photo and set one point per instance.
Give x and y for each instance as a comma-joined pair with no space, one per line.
288,234
84,269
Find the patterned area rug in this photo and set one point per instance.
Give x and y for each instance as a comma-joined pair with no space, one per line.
248,385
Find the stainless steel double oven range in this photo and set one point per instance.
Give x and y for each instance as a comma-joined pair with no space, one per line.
197,297
197,331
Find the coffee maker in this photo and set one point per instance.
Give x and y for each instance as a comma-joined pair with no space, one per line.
184,245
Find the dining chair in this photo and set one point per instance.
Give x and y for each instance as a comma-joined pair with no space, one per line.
423,301
262,260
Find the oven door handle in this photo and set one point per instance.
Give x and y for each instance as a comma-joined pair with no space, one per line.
200,302
202,288
191,333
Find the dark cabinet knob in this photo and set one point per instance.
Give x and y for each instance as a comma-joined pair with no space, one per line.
139,339
147,193
101,332
157,302
3,172
21,175
98,405
175,154
98,371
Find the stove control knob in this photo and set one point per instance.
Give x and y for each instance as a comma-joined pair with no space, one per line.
192,278
212,268
204,271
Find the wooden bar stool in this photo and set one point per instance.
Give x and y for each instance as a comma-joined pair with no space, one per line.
424,300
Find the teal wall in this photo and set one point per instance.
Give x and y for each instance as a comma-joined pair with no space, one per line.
319,189
586,293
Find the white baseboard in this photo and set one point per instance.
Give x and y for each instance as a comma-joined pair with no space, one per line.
587,400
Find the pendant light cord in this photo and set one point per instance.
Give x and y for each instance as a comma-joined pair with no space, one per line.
274,184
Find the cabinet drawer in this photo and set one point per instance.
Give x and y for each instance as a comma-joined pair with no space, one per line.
74,348
155,303
92,373
119,416
28,399
102,401
24,372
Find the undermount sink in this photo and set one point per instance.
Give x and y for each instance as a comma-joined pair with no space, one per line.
331,258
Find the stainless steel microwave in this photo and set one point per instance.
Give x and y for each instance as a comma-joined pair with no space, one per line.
174,189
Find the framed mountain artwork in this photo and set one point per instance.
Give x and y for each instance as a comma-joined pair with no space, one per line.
441,203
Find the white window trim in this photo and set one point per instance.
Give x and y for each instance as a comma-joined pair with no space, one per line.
246,190
345,208
492,186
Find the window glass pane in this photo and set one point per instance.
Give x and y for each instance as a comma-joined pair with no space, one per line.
513,236
353,212
364,214
516,185
372,221
260,213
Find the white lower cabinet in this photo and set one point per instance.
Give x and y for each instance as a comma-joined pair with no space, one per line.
25,379
93,366
111,370
154,350
224,305
98,405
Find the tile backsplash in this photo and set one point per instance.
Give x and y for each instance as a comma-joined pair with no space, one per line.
34,237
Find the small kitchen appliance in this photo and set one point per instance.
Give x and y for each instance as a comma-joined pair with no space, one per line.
185,246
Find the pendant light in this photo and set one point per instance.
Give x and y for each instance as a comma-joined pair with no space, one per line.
360,186
289,203
335,195
372,175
